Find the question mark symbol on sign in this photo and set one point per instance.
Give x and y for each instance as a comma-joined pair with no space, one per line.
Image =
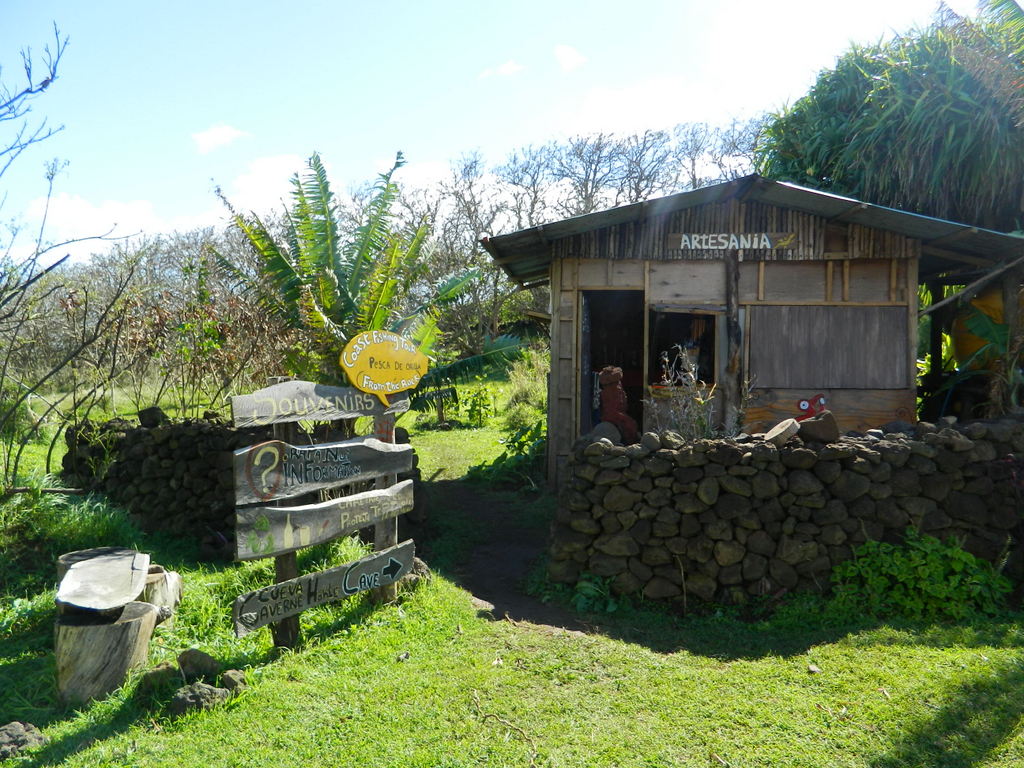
274,453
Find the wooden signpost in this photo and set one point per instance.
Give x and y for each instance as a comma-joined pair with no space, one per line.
270,531
268,473
256,609
291,401
277,470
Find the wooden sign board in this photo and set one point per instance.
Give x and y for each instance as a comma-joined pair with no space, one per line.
277,470
306,401
111,578
383,363
272,531
726,241
257,609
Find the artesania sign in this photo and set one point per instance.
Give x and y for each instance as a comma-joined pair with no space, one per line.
726,241
382,363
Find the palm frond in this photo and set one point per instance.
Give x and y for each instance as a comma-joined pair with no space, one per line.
499,350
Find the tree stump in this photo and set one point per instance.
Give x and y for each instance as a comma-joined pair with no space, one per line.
94,653
163,589
102,579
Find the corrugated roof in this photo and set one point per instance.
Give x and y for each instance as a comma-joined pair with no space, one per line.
526,255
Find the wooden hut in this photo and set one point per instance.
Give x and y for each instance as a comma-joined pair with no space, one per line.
783,297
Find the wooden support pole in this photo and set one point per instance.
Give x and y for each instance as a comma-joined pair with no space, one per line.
1012,318
937,291
286,566
732,386
385,533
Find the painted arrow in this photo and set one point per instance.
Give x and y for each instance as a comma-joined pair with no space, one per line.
288,598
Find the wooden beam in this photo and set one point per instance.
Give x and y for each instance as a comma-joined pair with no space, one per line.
958,234
844,215
974,287
956,256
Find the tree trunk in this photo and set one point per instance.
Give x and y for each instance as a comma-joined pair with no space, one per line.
94,653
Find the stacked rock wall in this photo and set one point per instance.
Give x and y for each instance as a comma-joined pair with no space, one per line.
175,477
725,519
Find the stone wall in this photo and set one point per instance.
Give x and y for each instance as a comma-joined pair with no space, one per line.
174,477
726,519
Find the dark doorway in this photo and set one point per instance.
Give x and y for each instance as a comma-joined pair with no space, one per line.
612,334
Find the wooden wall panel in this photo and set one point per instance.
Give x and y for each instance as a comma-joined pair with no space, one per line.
859,409
829,347
567,269
748,280
870,280
628,274
592,273
686,282
794,281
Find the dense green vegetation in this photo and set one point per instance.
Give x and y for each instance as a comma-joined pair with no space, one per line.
930,122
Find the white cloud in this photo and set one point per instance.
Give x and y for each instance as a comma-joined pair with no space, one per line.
569,58
507,69
265,183
216,136
635,107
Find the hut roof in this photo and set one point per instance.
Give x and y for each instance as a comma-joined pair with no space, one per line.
526,256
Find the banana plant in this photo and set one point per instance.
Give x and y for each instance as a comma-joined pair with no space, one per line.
330,285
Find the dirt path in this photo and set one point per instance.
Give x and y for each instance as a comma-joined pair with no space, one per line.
496,569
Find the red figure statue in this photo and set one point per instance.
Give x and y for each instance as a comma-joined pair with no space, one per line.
613,404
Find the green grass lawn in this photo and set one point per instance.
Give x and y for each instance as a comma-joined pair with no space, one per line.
427,681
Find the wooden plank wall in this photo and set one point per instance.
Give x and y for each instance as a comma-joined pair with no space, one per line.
844,293
828,347
817,238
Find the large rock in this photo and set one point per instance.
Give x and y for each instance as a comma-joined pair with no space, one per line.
707,490
661,588
197,696
197,665
618,545
619,499
850,486
803,483
729,552
821,428
700,585
16,737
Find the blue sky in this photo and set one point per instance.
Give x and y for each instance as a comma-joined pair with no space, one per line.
160,101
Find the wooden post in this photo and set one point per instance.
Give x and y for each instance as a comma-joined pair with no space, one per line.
385,533
937,292
732,386
286,566
1011,316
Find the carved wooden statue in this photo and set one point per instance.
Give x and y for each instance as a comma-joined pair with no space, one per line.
614,404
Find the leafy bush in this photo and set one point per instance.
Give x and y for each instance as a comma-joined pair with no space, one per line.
923,578
593,594
478,403
528,389
522,461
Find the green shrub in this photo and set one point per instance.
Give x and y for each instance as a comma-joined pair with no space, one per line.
923,578
478,404
528,390
522,461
